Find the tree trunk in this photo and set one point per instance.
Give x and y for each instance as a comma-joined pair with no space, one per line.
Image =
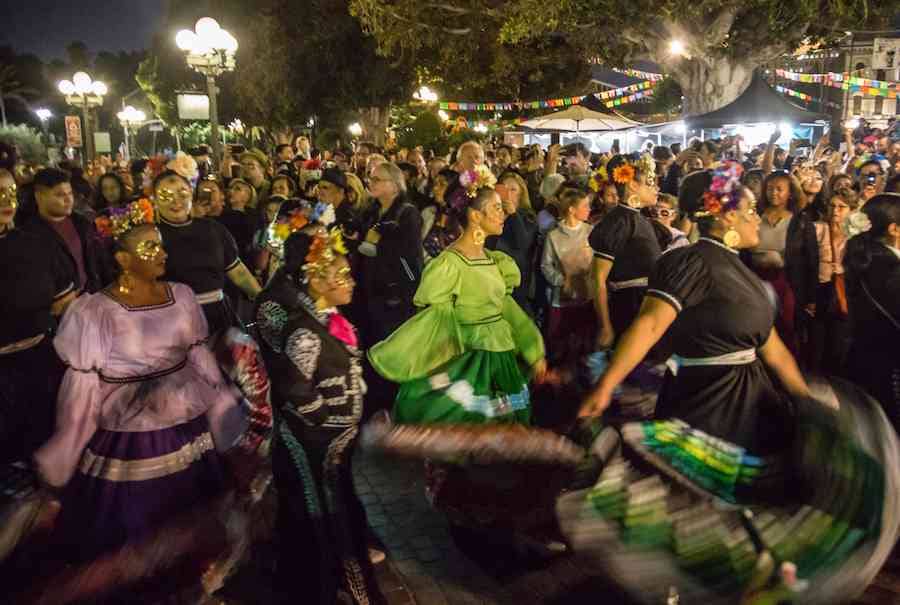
374,122
284,136
2,109
709,83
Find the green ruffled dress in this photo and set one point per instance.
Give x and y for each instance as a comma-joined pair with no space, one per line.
464,357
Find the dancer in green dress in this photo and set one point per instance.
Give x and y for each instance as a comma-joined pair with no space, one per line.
466,355
465,359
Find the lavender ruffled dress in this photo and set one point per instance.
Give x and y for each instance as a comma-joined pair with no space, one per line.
143,415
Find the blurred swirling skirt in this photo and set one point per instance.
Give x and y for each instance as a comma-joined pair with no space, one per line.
129,483
671,513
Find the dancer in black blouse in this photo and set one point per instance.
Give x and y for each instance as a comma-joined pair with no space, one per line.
317,387
721,321
625,247
201,252
38,285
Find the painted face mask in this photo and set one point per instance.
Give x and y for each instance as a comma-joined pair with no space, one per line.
148,250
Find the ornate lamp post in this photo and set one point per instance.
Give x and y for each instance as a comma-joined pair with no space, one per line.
130,118
210,51
84,93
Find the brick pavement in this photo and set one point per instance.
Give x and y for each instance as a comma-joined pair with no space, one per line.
419,545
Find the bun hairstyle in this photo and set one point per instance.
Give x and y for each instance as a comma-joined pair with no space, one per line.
881,211
622,169
471,191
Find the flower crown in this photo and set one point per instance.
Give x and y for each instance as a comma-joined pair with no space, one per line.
122,220
323,250
470,181
288,223
724,191
626,171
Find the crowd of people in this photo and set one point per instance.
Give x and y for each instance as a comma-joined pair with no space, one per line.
447,290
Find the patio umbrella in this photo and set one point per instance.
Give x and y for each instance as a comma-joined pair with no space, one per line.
580,119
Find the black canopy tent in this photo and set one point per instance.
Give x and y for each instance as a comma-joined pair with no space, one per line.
758,103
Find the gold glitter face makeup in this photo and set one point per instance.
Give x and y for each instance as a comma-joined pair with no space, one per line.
8,197
167,196
148,249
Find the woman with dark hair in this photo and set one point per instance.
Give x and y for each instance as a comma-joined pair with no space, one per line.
143,420
38,287
787,255
472,342
314,359
872,262
439,228
284,185
829,330
519,234
625,246
110,193
201,253
736,423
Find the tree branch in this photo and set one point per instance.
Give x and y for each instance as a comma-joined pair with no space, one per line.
718,30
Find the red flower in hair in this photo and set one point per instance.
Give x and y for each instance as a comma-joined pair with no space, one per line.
711,203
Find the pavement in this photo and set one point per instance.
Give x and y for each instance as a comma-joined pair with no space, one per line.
437,572
425,566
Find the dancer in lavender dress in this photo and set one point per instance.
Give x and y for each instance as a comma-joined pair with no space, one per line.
144,412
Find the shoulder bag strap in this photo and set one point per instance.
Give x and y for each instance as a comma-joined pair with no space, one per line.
878,306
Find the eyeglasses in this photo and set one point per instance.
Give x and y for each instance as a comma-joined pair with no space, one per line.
663,212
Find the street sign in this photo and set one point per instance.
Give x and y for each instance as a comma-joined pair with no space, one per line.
73,131
102,143
193,106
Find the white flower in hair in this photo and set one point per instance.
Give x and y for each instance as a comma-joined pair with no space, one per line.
856,223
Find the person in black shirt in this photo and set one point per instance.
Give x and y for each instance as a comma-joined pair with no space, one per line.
201,252
625,247
90,266
38,286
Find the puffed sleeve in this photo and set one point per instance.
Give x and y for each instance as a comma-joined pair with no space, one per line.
681,278
83,344
433,333
303,347
227,413
528,340
609,238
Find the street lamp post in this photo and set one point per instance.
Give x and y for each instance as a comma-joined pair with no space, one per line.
210,52
84,93
130,118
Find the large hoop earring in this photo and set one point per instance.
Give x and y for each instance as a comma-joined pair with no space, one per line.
732,238
633,201
478,236
125,282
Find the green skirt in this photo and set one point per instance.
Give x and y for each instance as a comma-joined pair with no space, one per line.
476,387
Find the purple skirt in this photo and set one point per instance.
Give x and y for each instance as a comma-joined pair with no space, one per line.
130,483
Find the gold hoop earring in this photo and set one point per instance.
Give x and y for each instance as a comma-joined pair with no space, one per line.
478,236
633,201
732,238
125,283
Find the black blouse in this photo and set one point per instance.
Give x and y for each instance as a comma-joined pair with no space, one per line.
34,276
201,251
627,239
722,305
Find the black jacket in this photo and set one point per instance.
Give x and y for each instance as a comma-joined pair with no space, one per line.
801,259
98,263
396,268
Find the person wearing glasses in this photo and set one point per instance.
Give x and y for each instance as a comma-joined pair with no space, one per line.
201,252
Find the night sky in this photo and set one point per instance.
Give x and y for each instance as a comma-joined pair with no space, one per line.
46,27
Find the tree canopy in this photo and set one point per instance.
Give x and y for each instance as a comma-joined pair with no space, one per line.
723,40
